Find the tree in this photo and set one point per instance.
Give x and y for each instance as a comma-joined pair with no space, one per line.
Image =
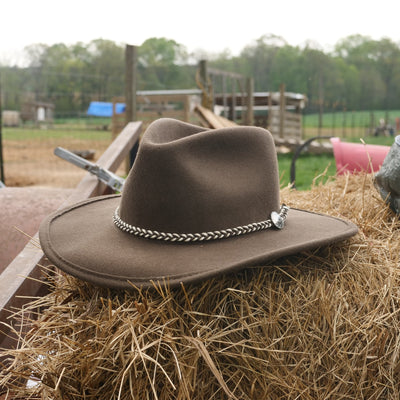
260,59
318,66
159,62
71,75
348,86
361,73
387,56
288,67
107,65
161,52
379,66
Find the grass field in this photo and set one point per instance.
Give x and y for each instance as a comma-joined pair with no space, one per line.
55,134
350,126
313,168
351,119
309,169
26,147
29,155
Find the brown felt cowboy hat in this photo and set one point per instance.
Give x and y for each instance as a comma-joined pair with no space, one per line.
196,203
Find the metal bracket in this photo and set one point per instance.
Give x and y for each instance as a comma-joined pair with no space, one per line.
112,180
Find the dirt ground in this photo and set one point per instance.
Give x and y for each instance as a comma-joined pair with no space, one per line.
32,162
22,210
37,183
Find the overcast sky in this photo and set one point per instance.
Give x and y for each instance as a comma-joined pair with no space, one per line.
211,25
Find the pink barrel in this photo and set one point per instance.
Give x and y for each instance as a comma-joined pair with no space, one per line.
354,157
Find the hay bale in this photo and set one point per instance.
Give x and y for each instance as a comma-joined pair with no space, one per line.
318,325
10,118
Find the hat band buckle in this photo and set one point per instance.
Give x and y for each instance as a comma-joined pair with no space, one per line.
277,220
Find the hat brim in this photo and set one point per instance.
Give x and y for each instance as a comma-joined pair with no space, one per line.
83,241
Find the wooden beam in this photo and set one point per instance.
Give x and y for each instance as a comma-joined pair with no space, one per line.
160,98
204,80
22,275
186,109
130,83
224,98
232,113
212,120
282,110
250,101
2,178
233,75
130,96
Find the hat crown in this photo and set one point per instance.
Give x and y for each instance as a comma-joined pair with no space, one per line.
188,179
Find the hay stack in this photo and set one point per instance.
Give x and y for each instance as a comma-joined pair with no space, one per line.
319,325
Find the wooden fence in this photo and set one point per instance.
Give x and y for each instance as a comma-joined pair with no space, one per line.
21,280
285,123
226,89
154,104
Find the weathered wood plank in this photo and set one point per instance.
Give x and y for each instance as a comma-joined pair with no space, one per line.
21,277
153,115
234,75
213,120
250,101
165,98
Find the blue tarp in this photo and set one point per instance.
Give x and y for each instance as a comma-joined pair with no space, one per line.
104,109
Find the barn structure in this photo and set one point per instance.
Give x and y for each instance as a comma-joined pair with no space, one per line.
231,96
38,111
279,112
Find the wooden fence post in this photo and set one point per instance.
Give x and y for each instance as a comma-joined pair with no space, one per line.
282,110
186,108
2,178
130,83
206,100
320,104
250,101
233,105
224,98
205,78
130,95
269,113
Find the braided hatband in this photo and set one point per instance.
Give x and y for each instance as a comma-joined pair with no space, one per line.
277,220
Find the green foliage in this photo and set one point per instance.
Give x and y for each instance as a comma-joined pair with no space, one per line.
360,74
162,64
68,76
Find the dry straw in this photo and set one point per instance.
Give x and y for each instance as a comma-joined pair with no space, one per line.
319,325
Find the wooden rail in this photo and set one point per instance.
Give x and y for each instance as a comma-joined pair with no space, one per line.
207,81
285,124
151,105
21,279
212,120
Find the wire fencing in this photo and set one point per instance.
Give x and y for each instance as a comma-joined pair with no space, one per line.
27,150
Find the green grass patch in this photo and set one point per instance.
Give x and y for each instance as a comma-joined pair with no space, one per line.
350,125
321,167
309,168
44,134
380,140
350,119
84,120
